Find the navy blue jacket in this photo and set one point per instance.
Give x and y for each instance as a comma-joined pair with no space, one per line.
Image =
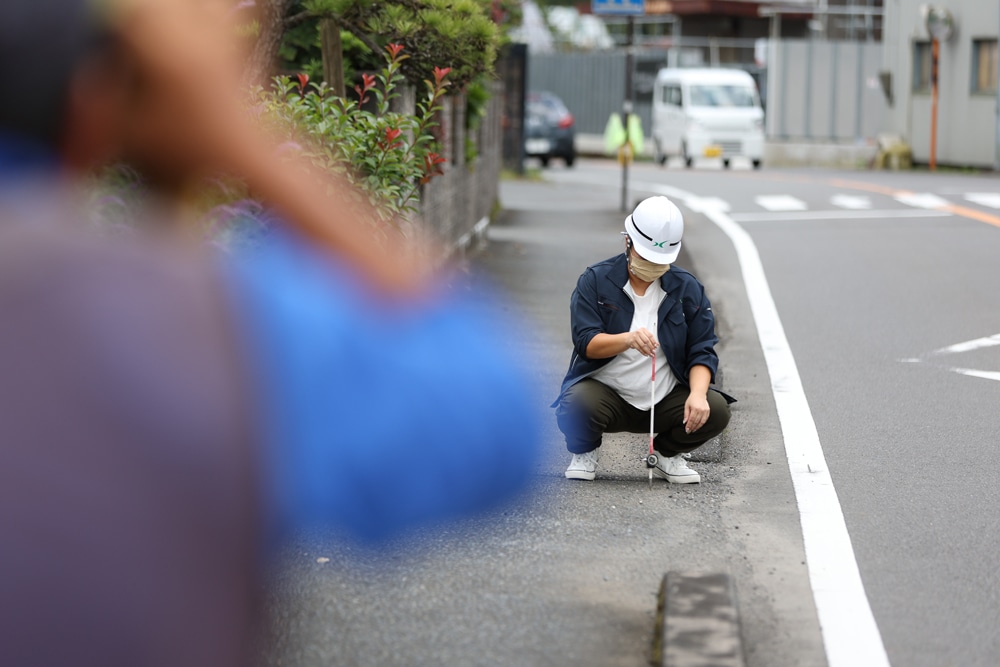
685,324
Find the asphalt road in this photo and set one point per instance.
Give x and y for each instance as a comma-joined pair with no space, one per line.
888,286
872,285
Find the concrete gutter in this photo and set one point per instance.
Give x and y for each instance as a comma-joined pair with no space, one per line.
697,622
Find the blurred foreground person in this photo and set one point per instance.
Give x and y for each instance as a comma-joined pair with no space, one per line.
169,413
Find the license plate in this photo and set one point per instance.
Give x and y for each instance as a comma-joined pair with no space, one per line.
713,151
537,146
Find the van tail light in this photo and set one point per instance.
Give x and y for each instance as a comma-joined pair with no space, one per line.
566,121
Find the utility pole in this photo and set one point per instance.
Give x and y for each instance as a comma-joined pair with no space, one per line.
940,26
935,54
627,107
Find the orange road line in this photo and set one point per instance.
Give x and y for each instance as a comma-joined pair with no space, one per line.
956,209
973,214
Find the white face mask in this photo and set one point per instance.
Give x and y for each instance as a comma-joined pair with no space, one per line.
645,270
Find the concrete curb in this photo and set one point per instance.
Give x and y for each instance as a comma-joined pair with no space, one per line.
697,622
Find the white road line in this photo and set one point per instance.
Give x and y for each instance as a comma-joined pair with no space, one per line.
921,200
799,216
971,372
853,202
969,345
780,203
959,348
990,199
850,634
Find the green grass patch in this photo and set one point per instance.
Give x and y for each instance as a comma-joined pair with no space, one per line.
533,174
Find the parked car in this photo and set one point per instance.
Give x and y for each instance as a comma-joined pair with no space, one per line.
707,113
548,129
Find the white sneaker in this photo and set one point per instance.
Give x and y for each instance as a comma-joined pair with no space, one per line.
675,469
583,466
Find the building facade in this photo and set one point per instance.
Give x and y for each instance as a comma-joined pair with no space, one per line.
968,105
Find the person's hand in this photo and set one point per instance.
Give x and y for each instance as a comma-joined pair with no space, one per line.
643,341
186,114
696,411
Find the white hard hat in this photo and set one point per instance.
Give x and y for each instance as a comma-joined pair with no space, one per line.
656,227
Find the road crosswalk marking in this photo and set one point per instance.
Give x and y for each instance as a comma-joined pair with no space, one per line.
921,200
787,208
780,203
989,199
840,214
852,202
702,204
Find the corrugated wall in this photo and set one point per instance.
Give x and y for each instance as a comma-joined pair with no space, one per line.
825,91
816,90
591,84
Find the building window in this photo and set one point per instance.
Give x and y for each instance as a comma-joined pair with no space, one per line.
921,67
984,66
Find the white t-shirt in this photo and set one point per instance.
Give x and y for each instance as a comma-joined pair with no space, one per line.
630,373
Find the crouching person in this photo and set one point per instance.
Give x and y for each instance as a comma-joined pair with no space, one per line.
625,311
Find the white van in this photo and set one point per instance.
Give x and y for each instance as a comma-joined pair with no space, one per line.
707,113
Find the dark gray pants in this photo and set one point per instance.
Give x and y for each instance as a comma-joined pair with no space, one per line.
589,409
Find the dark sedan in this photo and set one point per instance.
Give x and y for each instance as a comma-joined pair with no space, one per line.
549,130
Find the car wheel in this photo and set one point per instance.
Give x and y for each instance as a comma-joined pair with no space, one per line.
725,163
756,164
544,159
570,159
658,155
688,160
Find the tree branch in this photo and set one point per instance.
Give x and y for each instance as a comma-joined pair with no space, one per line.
364,37
297,19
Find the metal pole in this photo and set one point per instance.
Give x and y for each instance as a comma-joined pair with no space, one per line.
784,89
996,157
809,91
774,67
834,63
935,50
859,93
627,108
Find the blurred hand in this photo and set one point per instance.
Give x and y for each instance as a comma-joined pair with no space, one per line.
186,113
187,119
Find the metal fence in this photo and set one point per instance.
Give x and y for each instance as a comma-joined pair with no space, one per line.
591,84
812,90
825,91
